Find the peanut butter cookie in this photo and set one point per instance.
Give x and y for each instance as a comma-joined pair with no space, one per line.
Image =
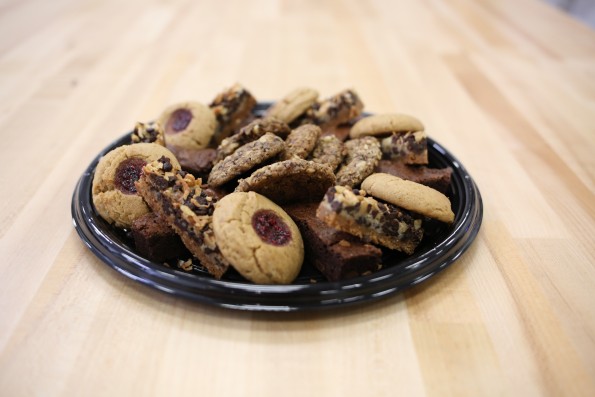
293,104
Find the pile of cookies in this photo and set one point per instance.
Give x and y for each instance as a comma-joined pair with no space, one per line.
310,180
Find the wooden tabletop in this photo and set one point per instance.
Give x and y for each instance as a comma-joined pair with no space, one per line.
507,86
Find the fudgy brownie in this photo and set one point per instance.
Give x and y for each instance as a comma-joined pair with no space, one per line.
337,255
155,240
436,178
197,161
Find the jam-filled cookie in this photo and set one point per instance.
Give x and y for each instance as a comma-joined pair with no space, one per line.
246,158
290,181
258,238
188,125
114,191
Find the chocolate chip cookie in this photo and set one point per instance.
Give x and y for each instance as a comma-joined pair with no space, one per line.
258,238
245,158
114,193
290,181
362,156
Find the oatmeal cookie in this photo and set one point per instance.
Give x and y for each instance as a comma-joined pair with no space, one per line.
329,150
114,193
258,238
290,181
351,211
362,156
187,208
412,196
245,158
188,125
301,142
231,108
293,104
250,133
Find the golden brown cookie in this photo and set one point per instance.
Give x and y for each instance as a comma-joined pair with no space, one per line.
246,158
381,125
329,150
290,181
349,210
114,192
148,133
188,125
409,195
258,238
301,142
187,208
293,104
251,132
231,107
362,156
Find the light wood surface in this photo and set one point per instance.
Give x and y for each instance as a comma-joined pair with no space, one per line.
508,86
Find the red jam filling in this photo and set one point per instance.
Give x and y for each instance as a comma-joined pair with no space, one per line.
128,172
271,228
178,121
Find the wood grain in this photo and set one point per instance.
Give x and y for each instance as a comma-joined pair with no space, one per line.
508,86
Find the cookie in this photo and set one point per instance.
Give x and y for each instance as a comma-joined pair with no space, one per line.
231,107
329,150
258,238
187,208
382,125
250,133
412,196
245,158
290,181
335,110
148,133
188,125
293,104
114,193
351,211
301,142
361,157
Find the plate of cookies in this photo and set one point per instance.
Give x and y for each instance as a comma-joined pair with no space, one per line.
303,203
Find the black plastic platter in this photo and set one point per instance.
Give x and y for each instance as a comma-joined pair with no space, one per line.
310,291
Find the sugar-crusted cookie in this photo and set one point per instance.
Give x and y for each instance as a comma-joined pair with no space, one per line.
251,132
114,193
293,104
361,157
231,107
148,133
301,142
412,196
188,125
258,238
290,181
351,211
187,208
245,158
329,150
